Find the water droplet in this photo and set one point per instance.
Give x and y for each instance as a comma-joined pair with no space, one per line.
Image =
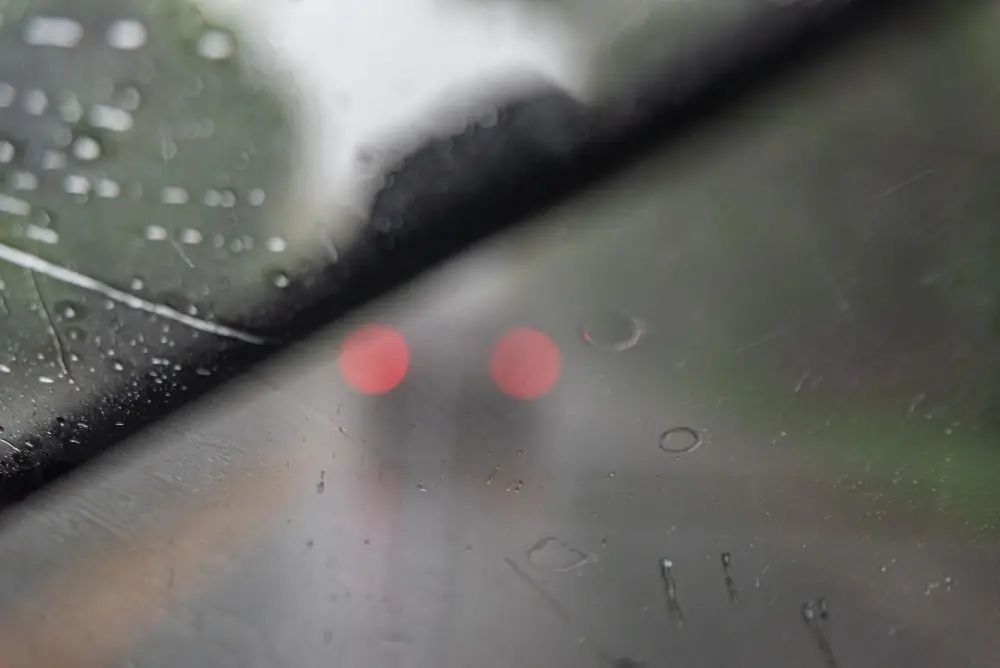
612,331
108,189
680,440
69,310
421,487
14,206
156,233
191,237
74,184
126,35
276,245
215,45
86,148
36,102
321,485
256,197
110,118
813,624
24,181
70,109
4,368
76,335
280,279
552,554
128,98
41,234
670,584
489,118
931,586
727,562
52,160
7,152
173,195
45,380
7,95
137,284
52,31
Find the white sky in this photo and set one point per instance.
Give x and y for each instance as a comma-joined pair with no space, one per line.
369,69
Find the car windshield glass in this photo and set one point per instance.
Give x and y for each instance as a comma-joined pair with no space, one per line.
733,405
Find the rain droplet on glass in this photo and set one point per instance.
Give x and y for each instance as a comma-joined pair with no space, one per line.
680,440
127,35
215,45
612,331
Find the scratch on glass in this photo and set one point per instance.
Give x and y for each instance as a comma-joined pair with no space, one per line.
49,324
